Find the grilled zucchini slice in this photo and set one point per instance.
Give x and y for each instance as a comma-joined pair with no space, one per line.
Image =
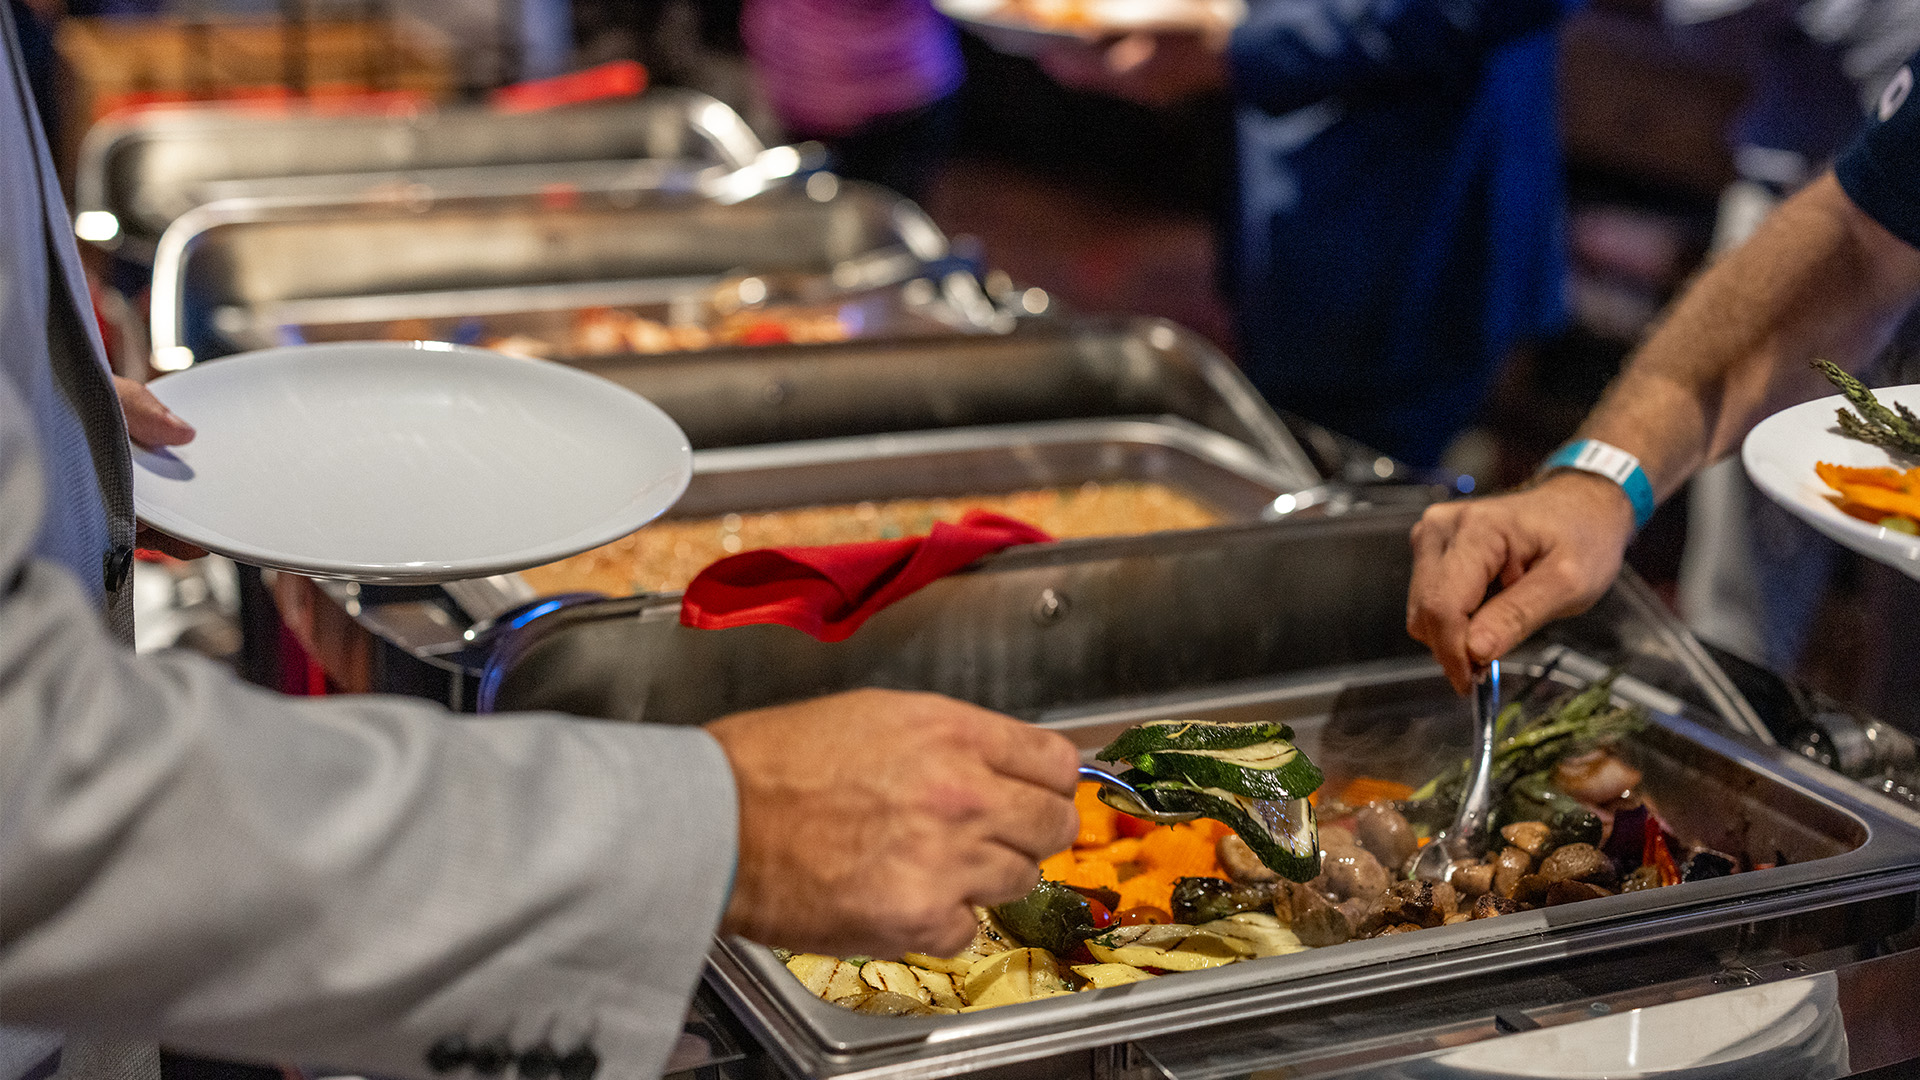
1157,735
1281,832
1267,770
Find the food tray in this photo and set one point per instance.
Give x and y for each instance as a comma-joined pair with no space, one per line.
417,641
249,264
1045,370
148,168
1298,621
543,321
1225,475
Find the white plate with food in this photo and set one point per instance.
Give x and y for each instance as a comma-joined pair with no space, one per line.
1781,454
406,462
1030,27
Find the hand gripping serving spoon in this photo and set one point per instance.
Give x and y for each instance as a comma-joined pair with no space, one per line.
1458,840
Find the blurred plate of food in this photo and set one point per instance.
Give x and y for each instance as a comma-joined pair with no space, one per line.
406,463
1030,27
1863,495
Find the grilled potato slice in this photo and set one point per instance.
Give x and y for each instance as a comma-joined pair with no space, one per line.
1169,947
895,978
1014,976
1100,976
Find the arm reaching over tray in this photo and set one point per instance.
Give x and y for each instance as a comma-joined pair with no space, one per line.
871,822
370,883
1821,277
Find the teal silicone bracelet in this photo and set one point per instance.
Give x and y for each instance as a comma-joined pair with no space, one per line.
1605,459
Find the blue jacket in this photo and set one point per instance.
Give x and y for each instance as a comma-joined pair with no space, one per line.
1400,223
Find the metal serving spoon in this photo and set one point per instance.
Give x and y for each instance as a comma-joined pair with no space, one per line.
1459,840
1127,799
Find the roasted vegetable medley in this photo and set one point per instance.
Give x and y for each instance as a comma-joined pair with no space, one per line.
1132,901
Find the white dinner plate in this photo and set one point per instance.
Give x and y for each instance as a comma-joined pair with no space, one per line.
406,462
1008,28
1780,454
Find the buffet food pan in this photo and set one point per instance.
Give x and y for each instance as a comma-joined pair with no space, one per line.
1056,369
247,264
1226,477
423,640
570,322
1299,622
139,172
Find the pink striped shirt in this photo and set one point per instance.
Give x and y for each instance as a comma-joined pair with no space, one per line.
832,66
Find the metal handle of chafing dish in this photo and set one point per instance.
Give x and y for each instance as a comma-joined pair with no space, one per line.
167,308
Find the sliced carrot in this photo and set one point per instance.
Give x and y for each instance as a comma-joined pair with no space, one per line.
1147,890
1836,475
1179,851
1099,823
1058,867
1092,874
1880,498
1362,790
1125,849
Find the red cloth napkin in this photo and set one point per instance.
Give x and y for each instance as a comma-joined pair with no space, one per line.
827,592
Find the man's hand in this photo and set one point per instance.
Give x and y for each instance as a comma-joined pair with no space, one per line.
1151,69
872,821
152,425
1555,546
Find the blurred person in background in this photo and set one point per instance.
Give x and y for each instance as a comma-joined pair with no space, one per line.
1753,577
872,79
1400,226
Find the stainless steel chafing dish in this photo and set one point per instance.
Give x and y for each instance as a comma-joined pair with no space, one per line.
446,626
138,173
253,265
838,423
1779,972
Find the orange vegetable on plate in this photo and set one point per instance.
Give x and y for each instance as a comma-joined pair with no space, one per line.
1885,497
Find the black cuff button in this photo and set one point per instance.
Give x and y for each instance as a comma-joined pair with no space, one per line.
116,567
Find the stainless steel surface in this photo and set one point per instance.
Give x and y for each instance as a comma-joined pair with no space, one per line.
257,254
548,313
1070,369
148,169
1124,797
1041,372
1461,838
1138,616
1298,621
1205,465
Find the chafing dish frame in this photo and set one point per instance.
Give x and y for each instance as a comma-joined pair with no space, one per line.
223,152
1224,473
866,238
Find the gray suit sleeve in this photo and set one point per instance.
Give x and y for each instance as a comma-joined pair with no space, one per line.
340,881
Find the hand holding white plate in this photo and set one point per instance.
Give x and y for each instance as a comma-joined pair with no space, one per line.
406,462
1781,451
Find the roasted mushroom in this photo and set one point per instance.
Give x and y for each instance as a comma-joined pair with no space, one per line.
1579,862
1384,831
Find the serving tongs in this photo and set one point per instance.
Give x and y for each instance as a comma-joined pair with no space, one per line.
1462,839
